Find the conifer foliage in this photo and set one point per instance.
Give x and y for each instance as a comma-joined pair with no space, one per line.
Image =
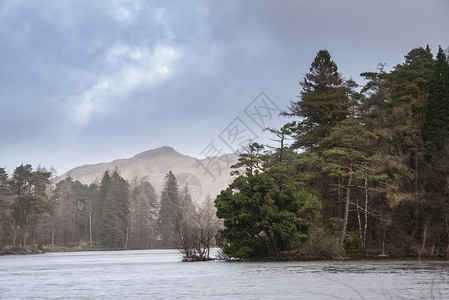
114,210
323,102
378,161
169,211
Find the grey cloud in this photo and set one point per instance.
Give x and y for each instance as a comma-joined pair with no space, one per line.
60,58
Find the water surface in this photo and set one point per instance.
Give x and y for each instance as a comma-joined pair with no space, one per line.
160,274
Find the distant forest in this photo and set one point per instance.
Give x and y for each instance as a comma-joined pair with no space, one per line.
358,171
110,214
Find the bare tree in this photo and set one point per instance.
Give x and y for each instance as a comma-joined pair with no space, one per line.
196,232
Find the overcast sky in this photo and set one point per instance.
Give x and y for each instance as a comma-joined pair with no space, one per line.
83,82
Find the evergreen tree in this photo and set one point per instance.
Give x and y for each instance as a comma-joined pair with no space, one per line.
186,206
436,138
114,211
375,100
437,108
169,211
30,203
395,110
403,148
346,158
3,181
323,104
260,216
4,215
325,100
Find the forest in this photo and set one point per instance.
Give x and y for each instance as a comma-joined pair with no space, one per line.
357,171
109,214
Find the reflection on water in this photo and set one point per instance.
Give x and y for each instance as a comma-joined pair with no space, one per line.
160,274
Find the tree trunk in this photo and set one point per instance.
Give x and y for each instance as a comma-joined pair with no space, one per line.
24,236
90,225
14,235
424,238
383,238
34,235
366,213
359,221
53,233
447,249
346,213
127,235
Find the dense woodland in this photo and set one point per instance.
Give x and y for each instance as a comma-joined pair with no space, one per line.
358,170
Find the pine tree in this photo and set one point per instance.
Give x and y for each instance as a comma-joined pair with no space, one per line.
30,203
436,139
169,211
323,104
263,215
186,206
437,108
346,158
113,224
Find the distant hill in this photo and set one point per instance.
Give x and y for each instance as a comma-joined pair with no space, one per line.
204,176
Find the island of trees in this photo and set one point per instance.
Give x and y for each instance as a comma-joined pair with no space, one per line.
357,171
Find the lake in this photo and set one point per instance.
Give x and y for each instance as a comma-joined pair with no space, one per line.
160,274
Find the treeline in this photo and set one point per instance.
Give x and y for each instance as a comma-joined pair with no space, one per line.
359,170
111,213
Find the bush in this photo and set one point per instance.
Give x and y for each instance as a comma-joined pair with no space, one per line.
321,244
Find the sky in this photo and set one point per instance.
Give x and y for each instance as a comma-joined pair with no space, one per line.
83,82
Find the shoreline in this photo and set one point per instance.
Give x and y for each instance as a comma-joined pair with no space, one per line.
280,258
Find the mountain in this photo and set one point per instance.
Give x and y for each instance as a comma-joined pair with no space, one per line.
203,176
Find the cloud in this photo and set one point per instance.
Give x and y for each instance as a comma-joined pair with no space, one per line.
131,67
119,75
125,10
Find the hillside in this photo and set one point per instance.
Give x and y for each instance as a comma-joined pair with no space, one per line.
204,176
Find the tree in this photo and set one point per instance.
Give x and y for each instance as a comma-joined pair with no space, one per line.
4,215
64,212
436,142
208,225
402,130
347,156
92,194
3,181
323,104
114,211
402,143
436,127
169,211
325,100
72,205
260,218
196,229
185,230
143,214
30,202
